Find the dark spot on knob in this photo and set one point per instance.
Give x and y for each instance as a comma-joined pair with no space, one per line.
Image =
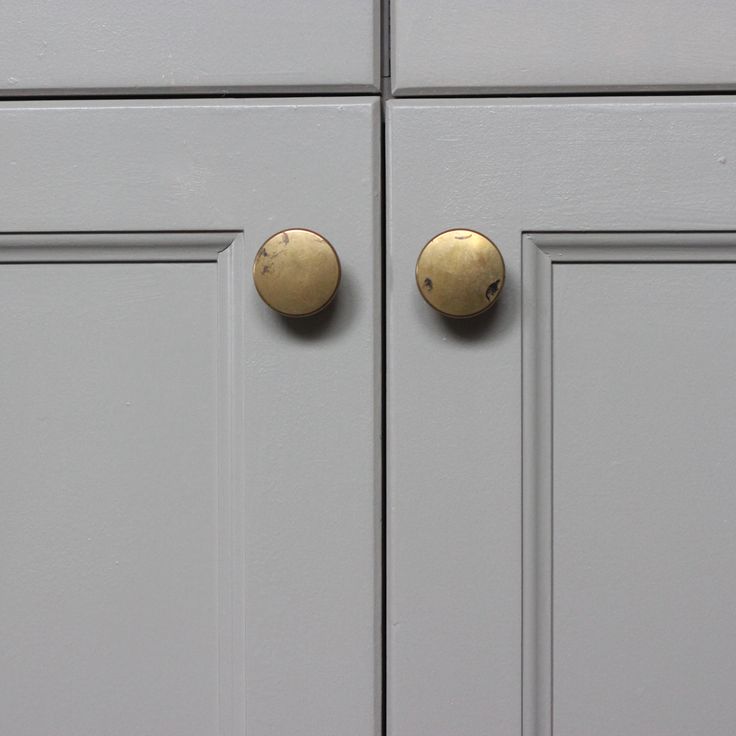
492,289
428,284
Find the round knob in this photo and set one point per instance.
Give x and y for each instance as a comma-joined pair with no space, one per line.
296,272
460,273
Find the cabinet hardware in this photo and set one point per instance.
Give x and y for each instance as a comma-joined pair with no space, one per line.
296,272
460,273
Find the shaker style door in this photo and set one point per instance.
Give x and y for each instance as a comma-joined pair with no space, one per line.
189,507
176,46
498,46
562,516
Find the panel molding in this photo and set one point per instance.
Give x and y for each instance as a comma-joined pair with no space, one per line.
227,250
540,253
124,247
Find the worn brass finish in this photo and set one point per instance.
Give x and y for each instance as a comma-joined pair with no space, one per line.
296,272
460,273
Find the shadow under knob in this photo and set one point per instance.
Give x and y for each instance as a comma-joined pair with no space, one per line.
296,272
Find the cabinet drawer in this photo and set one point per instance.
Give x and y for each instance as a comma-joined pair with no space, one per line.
91,47
497,46
189,490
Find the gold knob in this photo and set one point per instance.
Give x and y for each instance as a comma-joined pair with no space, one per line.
460,273
296,272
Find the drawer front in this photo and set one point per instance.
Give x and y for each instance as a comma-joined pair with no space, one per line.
559,468
92,47
189,496
496,46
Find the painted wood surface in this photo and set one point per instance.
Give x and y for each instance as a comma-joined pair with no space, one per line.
628,517
496,46
95,46
191,484
465,631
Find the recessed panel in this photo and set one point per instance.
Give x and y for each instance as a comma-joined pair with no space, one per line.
643,505
109,531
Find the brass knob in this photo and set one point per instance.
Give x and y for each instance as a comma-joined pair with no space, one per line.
296,272
460,273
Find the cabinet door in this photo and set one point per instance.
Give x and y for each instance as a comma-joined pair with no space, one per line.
491,46
188,495
93,46
562,522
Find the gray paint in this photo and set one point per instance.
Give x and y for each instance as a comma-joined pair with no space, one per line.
110,500
629,544
93,46
239,489
496,46
644,536
455,388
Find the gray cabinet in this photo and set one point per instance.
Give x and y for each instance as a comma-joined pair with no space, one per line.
189,501
197,534
560,471
498,46
103,46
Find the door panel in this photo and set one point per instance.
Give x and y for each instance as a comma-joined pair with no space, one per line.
93,46
183,548
644,597
482,585
491,46
630,521
112,511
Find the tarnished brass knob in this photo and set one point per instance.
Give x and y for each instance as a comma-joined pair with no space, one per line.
460,273
296,272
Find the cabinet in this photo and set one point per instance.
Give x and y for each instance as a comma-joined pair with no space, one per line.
501,47
215,519
190,497
561,520
93,47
